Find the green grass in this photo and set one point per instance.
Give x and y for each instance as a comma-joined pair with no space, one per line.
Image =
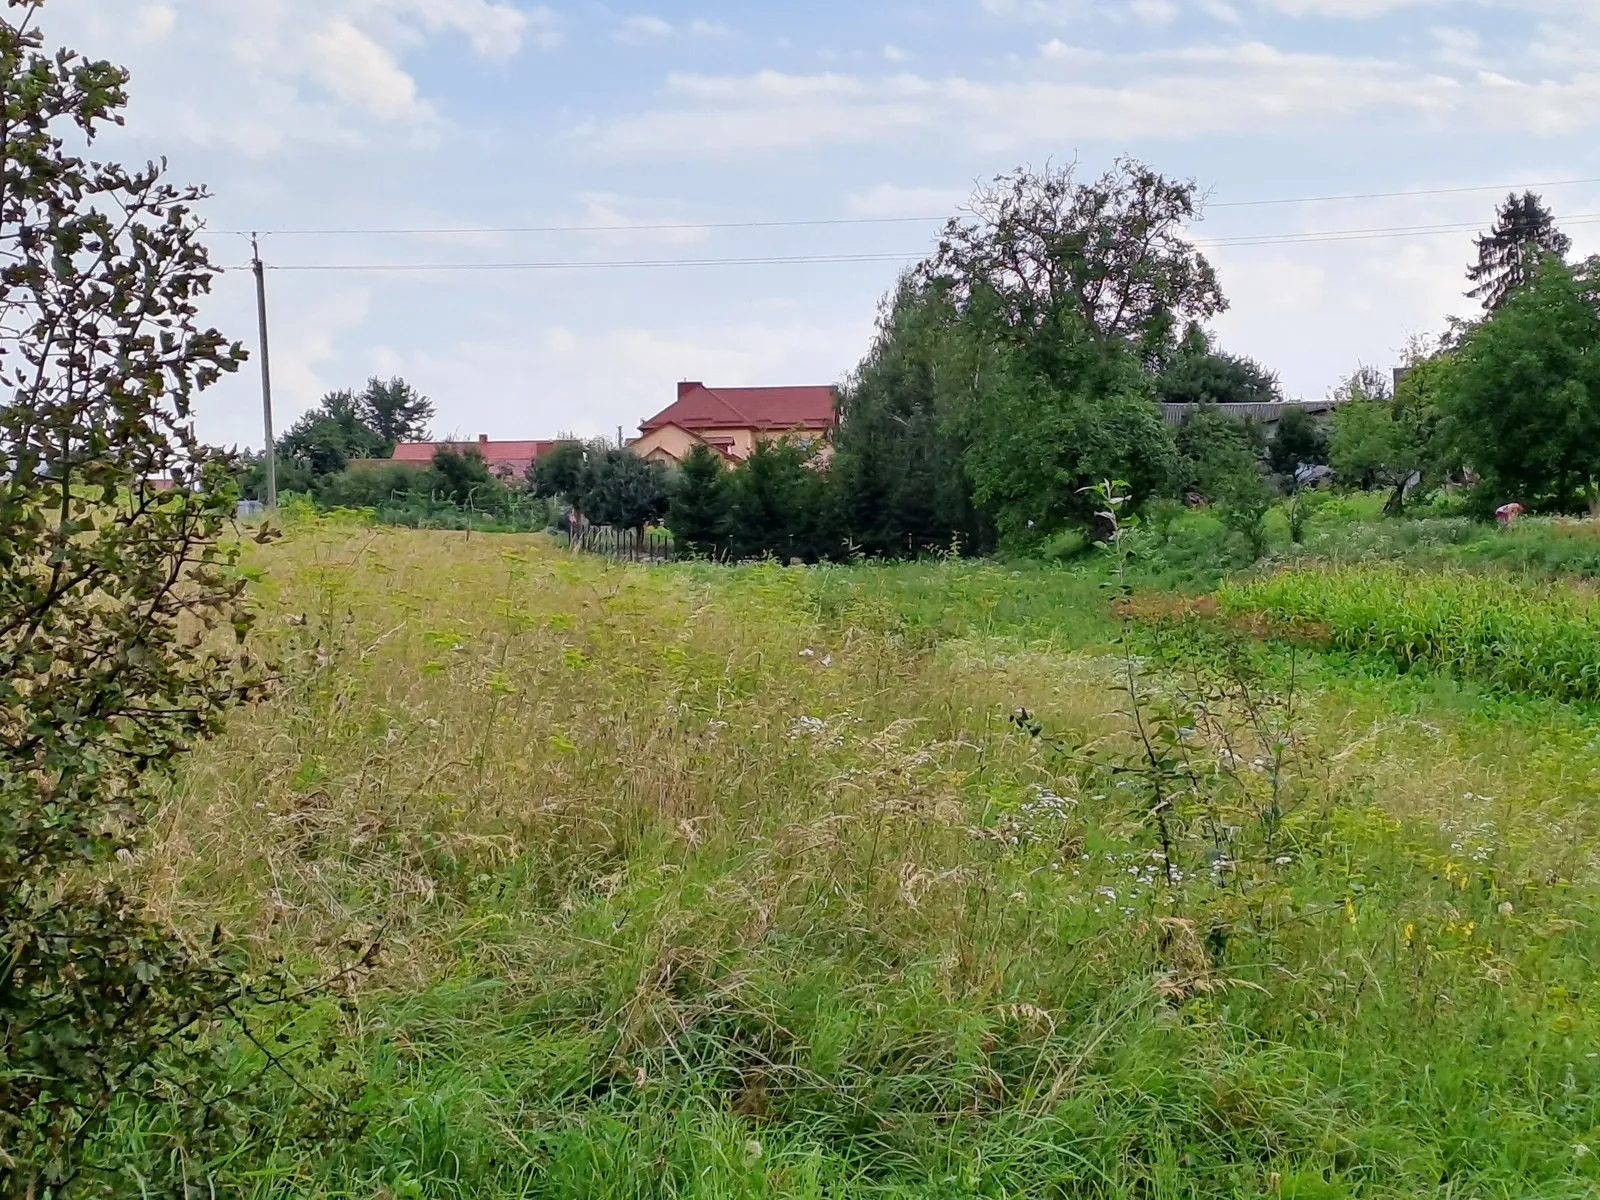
1520,636
703,883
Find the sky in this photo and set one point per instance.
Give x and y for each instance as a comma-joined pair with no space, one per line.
610,122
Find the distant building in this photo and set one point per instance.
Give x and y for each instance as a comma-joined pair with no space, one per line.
508,460
733,420
1264,414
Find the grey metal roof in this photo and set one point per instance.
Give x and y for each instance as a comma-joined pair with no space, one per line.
1175,413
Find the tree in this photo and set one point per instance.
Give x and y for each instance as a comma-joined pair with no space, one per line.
1245,500
1522,400
897,468
700,513
1383,441
624,491
396,412
1298,442
1198,373
561,474
463,478
782,504
1509,255
1365,383
1113,253
1215,447
1048,420
330,435
121,614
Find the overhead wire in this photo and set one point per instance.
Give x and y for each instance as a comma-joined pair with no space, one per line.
1310,237
693,226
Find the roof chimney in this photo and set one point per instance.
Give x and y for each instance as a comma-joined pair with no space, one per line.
687,386
483,439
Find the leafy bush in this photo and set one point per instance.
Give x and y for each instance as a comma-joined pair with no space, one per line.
122,618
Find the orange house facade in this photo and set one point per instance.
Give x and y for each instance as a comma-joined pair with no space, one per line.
732,421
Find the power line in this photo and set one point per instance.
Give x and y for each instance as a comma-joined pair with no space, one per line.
580,264
1456,191
1312,237
693,226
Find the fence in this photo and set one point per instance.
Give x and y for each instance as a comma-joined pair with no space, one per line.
626,545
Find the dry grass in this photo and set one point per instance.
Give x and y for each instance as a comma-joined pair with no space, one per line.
747,883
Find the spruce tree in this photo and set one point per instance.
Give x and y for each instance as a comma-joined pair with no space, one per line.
700,513
1509,254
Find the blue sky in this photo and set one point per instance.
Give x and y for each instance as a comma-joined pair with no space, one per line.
452,114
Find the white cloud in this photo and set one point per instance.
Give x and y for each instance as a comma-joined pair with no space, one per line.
1458,47
644,29
1154,12
892,200
1349,9
637,30
155,22
275,72
495,29
895,54
1046,11
625,227
1106,96
362,73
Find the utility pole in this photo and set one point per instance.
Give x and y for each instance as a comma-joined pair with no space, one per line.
266,373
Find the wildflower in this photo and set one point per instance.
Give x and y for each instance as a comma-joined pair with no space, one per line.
807,727
1507,908
753,1148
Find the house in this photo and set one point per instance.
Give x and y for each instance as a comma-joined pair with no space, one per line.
733,420
508,460
1266,415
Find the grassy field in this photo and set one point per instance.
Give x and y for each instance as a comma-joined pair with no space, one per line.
862,881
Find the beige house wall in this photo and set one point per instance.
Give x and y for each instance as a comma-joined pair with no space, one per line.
670,444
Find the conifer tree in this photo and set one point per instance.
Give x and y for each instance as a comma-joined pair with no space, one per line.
700,513
1509,254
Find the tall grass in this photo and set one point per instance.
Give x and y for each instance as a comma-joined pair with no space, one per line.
1542,638
749,883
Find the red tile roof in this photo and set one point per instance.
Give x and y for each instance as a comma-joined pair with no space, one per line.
512,458
699,407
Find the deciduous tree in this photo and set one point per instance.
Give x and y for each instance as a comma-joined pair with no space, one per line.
330,435
1047,420
1522,401
1112,252
1380,440
1199,373
1299,441
396,412
121,614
